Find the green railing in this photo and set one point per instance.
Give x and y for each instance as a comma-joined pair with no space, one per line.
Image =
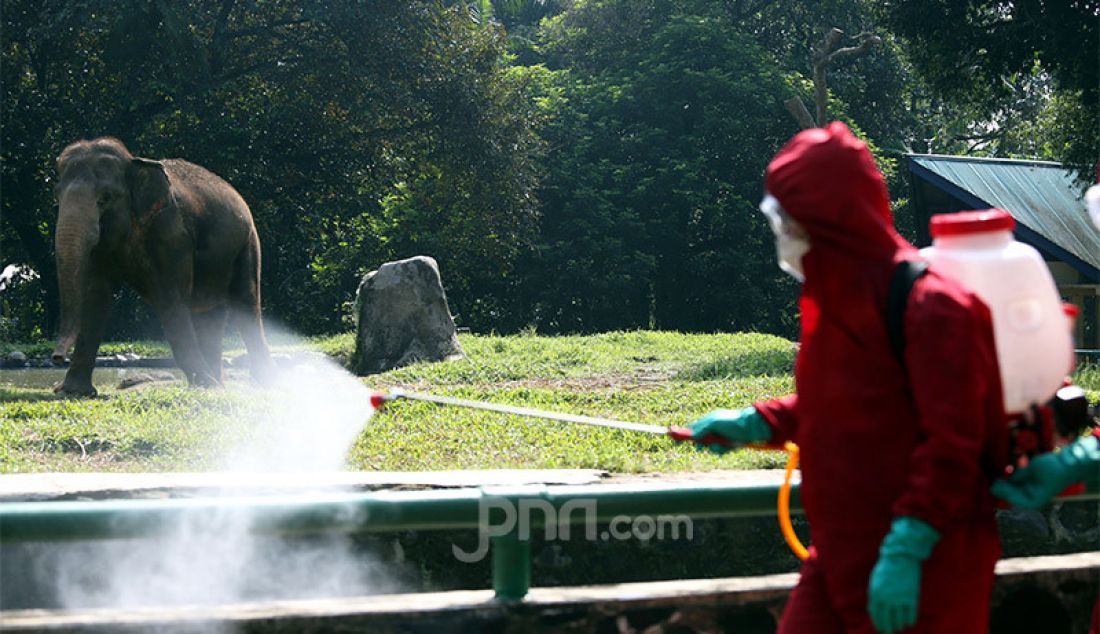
484,509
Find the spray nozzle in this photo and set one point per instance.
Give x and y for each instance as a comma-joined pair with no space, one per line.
378,399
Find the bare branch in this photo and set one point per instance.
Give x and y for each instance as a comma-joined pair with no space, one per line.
798,110
978,137
825,46
973,147
824,55
867,40
821,62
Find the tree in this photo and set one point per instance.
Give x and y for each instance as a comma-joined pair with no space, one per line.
868,89
1010,60
664,116
827,52
317,112
35,51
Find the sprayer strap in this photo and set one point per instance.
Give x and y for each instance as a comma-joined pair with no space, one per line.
906,273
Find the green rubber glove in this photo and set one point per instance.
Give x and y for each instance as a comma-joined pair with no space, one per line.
893,594
1048,474
740,426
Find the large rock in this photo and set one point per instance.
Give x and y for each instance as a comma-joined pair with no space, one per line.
14,359
402,317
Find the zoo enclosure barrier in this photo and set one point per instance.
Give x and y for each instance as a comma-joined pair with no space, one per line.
395,511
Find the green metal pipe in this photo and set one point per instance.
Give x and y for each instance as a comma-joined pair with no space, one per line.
507,515
381,511
388,511
265,515
511,559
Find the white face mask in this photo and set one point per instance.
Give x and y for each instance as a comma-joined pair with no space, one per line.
791,241
1092,197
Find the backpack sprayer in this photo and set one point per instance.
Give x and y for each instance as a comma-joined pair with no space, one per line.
1032,328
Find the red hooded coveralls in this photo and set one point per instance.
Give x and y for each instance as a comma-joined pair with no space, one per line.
880,439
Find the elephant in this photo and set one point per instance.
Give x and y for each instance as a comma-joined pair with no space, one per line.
181,236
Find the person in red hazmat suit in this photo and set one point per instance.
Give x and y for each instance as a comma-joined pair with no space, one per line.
898,454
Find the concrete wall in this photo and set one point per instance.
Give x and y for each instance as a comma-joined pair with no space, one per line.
1053,595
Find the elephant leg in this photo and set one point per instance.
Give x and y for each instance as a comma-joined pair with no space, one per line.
251,327
178,327
94,314
209,329
244,302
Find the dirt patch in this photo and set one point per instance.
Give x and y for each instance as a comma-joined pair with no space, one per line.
629,382
759,477
145,379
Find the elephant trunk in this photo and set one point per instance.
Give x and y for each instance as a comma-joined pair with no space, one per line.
77,234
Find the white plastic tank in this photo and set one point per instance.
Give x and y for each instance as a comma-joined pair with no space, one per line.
1092,200
1033,334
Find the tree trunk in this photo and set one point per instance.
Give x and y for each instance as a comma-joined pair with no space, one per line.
824,54
800,113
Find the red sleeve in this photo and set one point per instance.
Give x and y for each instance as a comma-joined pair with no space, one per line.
952,366
782,417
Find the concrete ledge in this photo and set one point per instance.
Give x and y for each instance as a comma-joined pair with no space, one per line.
745,605
41,487
35,487
1024,567
399,611
1053,595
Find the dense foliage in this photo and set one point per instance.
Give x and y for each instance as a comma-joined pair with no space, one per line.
653,377
358,132
573,166
1025,71
649,197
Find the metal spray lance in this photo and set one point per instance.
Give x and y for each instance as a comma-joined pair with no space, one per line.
378,399
679,434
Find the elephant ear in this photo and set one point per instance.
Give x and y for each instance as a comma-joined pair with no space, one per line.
148,187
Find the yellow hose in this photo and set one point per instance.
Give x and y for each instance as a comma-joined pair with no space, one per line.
784,505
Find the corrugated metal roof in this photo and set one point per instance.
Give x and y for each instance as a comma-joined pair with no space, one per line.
1042,196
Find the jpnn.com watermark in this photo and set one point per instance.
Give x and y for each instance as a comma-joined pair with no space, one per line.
499,516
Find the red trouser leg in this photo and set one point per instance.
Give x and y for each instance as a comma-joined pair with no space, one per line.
958,581
956,586
809,610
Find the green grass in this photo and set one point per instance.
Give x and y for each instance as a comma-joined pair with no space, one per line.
43,349
158,429
410,435
659,378
332,345
652,377
1088,377
642,356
